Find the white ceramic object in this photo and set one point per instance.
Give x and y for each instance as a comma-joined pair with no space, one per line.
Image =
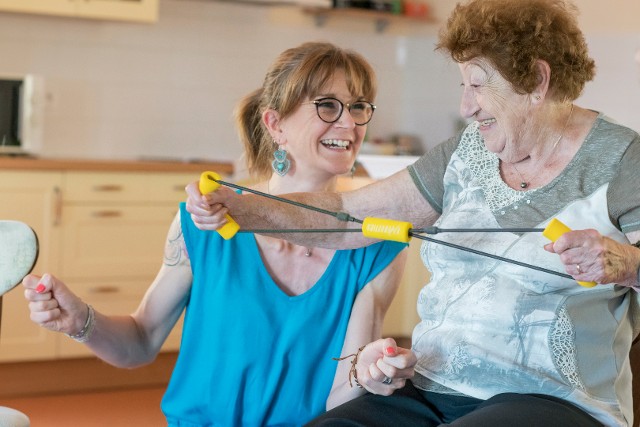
379,166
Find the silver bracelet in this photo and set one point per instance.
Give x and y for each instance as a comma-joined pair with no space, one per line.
87,329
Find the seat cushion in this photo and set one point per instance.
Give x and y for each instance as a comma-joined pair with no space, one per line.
12,418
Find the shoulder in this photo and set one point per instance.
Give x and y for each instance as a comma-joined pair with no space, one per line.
607,129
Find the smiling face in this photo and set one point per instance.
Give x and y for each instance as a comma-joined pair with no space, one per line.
505,117
318,148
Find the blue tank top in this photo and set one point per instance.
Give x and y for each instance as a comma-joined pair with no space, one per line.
250,354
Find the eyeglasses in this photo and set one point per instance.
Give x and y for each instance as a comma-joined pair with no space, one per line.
330,110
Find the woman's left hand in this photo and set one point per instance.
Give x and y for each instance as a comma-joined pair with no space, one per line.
589,256
383,367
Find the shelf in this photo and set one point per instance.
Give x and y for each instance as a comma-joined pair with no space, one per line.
381,19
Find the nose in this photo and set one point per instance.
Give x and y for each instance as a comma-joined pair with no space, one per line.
468,103
345,119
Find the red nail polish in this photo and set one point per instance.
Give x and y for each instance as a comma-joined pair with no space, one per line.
391,351
40,289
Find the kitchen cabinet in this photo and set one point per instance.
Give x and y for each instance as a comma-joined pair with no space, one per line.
102,232
113,230
121,10
32,197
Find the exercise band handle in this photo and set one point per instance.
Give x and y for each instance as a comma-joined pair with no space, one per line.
208,184
553,231
386,229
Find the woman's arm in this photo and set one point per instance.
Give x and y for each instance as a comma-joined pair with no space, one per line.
128,340
395,198
601,259
365,325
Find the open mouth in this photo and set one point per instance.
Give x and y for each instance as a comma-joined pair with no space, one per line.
340,144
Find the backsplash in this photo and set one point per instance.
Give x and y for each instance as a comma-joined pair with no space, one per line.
115,90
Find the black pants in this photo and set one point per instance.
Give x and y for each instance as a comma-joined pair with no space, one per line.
412,407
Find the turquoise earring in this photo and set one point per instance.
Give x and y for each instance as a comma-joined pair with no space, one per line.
280,163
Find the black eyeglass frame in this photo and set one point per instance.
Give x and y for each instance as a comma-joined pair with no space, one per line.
342,105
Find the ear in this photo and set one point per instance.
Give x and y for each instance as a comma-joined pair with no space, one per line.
543,74
271,119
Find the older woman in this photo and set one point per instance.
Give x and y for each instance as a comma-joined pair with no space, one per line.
501,344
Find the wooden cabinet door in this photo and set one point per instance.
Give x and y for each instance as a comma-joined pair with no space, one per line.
34,198
50,7
125,10
120,10
114,242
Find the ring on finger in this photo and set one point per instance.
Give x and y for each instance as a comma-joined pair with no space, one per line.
578,268
386,380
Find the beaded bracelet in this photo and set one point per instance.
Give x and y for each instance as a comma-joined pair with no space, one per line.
352,372
87,329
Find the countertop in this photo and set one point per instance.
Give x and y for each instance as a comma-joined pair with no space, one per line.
43,164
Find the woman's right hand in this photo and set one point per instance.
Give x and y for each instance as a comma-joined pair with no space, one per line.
206,212
53,306
385,367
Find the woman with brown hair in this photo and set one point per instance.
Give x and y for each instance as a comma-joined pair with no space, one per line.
263,317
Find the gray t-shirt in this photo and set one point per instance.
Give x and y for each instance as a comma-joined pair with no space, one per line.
489,327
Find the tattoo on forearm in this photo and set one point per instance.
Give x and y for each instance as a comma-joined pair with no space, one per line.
173,250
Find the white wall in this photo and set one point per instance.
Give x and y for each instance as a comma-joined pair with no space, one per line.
121,90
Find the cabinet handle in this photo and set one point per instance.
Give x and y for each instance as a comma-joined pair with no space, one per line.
57,206
106,214
104,290
107,188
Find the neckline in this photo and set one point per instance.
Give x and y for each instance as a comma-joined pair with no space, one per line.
274,288
563,172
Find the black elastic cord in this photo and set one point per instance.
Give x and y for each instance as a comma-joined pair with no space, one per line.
342,216
496,257
436,230
301,230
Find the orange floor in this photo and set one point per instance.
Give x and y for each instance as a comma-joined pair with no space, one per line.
124,408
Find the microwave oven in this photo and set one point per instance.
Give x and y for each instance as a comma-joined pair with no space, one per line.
20,114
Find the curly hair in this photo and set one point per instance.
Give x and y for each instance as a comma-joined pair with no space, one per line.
513,34
297,74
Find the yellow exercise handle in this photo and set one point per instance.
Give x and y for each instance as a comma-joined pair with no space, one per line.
208,185
553,231
387,229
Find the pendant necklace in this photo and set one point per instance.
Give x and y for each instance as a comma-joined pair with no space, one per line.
523,183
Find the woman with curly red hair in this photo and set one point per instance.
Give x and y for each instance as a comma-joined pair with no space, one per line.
499,343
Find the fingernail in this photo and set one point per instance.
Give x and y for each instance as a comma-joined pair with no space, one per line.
391,351
40,289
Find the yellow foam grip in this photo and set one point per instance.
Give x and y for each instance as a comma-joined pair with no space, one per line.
386,229
553,231
208,185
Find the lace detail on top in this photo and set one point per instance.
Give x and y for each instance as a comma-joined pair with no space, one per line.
561,339
485,168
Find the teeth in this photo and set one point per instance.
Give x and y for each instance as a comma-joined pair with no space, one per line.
487,122
335,143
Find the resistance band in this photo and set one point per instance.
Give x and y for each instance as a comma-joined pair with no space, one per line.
384,229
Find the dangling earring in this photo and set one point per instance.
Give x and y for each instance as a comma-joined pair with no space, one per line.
280,163
353,170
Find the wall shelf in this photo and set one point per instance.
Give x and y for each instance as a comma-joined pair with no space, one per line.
380,19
